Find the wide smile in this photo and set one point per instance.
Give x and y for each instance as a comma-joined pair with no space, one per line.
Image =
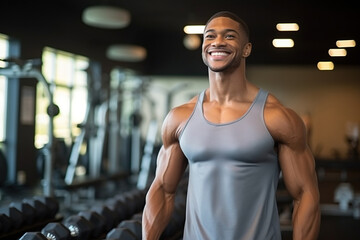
218,54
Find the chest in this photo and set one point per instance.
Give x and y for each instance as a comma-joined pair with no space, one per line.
245,139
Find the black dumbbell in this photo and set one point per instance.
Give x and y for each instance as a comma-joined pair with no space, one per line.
79,227
15,216
52,231
118,207
121,234
41,211
74,227
51,203
33,236
98,221
130,202
27,211
5,223
137,216
133,225
56,231
111,218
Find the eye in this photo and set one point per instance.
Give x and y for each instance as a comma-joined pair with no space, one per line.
229,36
209,36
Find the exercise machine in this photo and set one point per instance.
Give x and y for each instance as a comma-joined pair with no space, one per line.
30,69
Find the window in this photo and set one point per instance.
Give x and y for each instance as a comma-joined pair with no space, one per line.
66,73
4,50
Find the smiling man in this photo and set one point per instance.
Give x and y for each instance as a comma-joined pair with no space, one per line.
235,138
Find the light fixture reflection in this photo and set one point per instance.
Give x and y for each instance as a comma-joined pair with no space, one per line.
325,65
110,17
345,43
337,52
283,43
194,29
126,53
192,41
287,27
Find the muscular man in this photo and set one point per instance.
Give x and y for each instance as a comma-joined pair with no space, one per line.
235,138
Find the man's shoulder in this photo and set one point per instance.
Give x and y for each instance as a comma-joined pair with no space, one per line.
281,120
184,109
178,116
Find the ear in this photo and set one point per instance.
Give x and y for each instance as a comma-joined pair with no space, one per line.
247,50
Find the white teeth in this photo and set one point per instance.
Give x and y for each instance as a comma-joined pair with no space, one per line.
219,53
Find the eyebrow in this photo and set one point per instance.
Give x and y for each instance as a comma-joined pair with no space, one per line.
225,30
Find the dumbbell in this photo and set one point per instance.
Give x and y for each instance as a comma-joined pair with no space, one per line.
33,236
137,216
98,221
41,210
51,203
36,209
5,223
119,207
121,234
133,225
27,211
77,226
73,227
111,218
14,219
134,201
54,231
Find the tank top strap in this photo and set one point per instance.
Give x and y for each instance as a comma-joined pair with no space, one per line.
259,102
199,103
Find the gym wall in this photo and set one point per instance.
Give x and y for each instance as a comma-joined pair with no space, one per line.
330,98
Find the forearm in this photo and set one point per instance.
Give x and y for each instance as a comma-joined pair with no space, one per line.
157,213
306,217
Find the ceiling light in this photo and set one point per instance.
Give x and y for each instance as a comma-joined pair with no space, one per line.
345,43
287,27
192,41
106,17
194,29
337,52
283,43
325,65
126,53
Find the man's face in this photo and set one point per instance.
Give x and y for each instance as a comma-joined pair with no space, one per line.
223,44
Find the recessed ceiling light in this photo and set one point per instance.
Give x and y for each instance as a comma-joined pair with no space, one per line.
126,53
345,43
106,17
287,27
283,43
194,29
325,65
337,52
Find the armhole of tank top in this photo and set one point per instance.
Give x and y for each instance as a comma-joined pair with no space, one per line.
192,114
266,95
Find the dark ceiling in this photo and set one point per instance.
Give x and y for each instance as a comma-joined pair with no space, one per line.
158,25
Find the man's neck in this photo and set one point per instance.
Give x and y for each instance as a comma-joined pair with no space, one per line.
228,86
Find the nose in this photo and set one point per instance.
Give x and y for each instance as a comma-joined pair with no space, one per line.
218,42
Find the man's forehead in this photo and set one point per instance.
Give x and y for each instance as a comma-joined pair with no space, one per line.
223,22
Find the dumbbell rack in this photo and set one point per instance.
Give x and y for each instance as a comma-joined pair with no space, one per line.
111,218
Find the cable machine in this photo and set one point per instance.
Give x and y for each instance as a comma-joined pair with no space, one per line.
20,69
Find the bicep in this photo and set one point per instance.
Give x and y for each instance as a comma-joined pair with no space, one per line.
295,157
171,164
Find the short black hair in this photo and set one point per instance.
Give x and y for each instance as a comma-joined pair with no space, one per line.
234,17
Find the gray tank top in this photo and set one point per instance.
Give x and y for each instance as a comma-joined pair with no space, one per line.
233,177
